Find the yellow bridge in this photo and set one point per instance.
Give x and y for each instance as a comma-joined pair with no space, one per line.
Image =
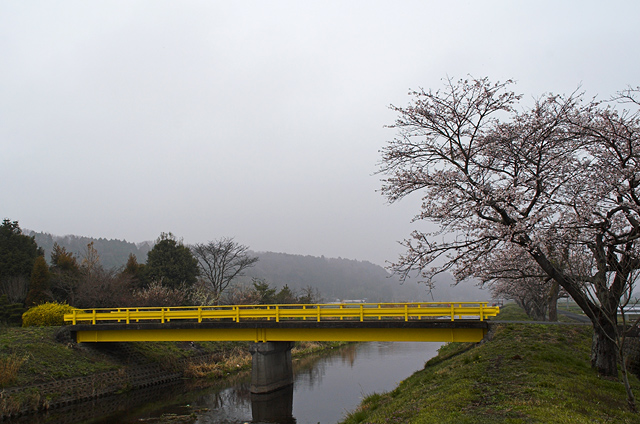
432,321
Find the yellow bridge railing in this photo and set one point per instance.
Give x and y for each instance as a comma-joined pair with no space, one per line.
316,312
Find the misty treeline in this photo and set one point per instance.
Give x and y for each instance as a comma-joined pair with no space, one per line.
174,274
113,253
166,273
335,278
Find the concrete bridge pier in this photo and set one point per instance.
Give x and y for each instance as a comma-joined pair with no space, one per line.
271,367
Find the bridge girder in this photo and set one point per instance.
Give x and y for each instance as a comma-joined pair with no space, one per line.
392,331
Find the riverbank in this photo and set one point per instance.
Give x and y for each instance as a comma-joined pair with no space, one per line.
523,374
42,368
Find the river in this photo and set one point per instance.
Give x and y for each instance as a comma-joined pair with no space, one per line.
326,387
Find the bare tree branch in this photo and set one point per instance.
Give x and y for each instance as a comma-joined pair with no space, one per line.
221,261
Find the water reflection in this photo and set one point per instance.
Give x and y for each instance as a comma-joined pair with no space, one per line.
348,355
276,407
353,373
325,388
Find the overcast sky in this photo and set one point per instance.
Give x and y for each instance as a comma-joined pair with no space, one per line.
259,120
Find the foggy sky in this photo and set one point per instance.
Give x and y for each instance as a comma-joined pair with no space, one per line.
259,120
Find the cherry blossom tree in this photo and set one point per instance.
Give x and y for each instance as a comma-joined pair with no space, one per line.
515,275
560,175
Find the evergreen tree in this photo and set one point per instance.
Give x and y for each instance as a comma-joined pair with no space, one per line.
17,251
62,259
39,289
17,255
286,296
132,267
266,293
171,263
134,271
65,275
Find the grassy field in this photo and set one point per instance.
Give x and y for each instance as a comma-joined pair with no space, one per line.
524,374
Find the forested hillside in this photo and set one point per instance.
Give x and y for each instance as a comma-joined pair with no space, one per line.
339,278
113,253
334,278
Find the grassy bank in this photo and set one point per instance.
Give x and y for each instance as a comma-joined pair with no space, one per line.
34,355
524,374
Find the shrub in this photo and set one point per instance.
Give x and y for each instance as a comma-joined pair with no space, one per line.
46,314
10,313
204,369
158,295
9,367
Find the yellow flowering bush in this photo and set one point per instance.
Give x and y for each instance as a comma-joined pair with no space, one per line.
50,313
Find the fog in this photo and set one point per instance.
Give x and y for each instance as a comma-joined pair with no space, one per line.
259,120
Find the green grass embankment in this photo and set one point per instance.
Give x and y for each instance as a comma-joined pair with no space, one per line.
34,355
524,374
40,368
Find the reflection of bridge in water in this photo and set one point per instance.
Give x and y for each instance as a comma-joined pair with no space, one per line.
274,328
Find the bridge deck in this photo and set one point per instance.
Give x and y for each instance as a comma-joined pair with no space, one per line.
261,323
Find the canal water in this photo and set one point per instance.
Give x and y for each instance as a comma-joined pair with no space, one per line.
325,389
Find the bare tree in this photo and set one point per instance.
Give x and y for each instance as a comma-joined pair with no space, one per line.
310,295
90,285
103,288
221,261
561,175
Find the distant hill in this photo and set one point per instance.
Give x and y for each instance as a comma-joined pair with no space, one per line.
335,278
350,279
113,253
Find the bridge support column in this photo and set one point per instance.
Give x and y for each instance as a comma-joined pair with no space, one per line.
271,367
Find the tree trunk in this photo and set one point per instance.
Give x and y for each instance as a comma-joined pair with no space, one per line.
552,300
603,348
539,312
